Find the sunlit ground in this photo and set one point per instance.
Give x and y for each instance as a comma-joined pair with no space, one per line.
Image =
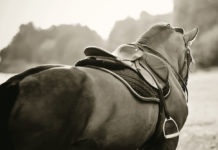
201,129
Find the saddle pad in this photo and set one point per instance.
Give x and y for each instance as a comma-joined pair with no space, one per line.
140,86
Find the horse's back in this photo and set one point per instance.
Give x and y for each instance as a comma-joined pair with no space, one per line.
49,109
117,115
61,107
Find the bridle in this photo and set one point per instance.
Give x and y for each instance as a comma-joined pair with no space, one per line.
186,65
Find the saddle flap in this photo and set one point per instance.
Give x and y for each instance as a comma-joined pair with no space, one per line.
155,68
127,52
97,51
157,65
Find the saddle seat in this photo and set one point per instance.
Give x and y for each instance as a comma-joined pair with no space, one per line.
148,66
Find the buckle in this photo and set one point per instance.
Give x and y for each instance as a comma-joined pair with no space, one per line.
170,123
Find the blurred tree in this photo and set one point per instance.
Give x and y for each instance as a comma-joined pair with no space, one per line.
207,48
123,32
203,14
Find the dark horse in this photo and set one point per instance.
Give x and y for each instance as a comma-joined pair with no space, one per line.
57,107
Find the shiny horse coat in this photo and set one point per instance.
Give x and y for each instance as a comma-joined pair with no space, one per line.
79,108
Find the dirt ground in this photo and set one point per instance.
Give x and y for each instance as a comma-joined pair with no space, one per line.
201,129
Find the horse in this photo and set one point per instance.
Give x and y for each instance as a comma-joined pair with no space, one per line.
63,107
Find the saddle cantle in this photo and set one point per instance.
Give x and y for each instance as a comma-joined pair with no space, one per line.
147,67
97,51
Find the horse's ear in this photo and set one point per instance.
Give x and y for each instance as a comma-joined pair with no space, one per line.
190,36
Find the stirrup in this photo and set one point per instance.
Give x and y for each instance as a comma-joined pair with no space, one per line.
172,122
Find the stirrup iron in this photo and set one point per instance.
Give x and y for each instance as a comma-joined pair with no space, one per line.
172,122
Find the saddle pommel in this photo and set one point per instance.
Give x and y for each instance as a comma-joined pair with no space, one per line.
128,52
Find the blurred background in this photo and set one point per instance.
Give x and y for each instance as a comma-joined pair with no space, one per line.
34,32
37,32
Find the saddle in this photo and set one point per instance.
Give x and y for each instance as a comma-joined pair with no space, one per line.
151,71
148,67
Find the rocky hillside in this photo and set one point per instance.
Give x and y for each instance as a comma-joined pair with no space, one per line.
202,14
129,29
58,44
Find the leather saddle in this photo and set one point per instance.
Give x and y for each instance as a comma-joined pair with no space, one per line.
151,67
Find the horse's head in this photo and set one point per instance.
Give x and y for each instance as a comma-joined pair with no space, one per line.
172,43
